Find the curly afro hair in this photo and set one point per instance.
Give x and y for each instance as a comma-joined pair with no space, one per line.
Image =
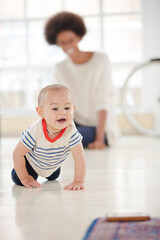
61,22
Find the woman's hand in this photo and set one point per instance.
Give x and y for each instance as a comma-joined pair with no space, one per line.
97,145
75,186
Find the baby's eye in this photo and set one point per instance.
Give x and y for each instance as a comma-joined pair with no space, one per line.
67,108
55,109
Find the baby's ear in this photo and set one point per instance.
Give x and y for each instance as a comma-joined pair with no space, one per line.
74,108
39,111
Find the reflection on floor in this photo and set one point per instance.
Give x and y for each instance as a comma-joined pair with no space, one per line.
125,178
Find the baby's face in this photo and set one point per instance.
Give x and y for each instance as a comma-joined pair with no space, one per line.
57,109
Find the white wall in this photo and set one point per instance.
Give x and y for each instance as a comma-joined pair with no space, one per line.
151,28
151,49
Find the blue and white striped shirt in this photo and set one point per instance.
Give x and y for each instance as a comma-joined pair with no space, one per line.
46,155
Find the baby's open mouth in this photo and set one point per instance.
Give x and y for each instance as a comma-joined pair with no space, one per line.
62,120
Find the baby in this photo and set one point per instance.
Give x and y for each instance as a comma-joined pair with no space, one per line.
46,144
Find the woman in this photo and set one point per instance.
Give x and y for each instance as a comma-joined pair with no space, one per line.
87,74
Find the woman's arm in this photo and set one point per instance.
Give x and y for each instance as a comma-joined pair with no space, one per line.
100,131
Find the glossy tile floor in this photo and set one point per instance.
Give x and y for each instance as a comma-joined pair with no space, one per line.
125,178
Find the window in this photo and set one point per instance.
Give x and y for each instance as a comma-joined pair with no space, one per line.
26,60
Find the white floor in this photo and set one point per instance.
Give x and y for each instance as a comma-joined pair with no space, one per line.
125,178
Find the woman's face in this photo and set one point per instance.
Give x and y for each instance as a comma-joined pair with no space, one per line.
68,41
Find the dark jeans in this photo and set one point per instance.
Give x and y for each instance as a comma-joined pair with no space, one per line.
32,172
88,134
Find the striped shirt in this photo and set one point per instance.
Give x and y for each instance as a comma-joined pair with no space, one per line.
46,155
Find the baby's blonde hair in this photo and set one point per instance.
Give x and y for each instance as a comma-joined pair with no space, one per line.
54,87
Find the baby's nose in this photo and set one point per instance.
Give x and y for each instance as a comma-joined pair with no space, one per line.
62,111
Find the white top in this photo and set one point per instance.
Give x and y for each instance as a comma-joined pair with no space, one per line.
91,86
46,155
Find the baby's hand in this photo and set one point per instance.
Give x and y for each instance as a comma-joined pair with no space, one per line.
30,182
75,186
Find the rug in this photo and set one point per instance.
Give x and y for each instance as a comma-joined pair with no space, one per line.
102,230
